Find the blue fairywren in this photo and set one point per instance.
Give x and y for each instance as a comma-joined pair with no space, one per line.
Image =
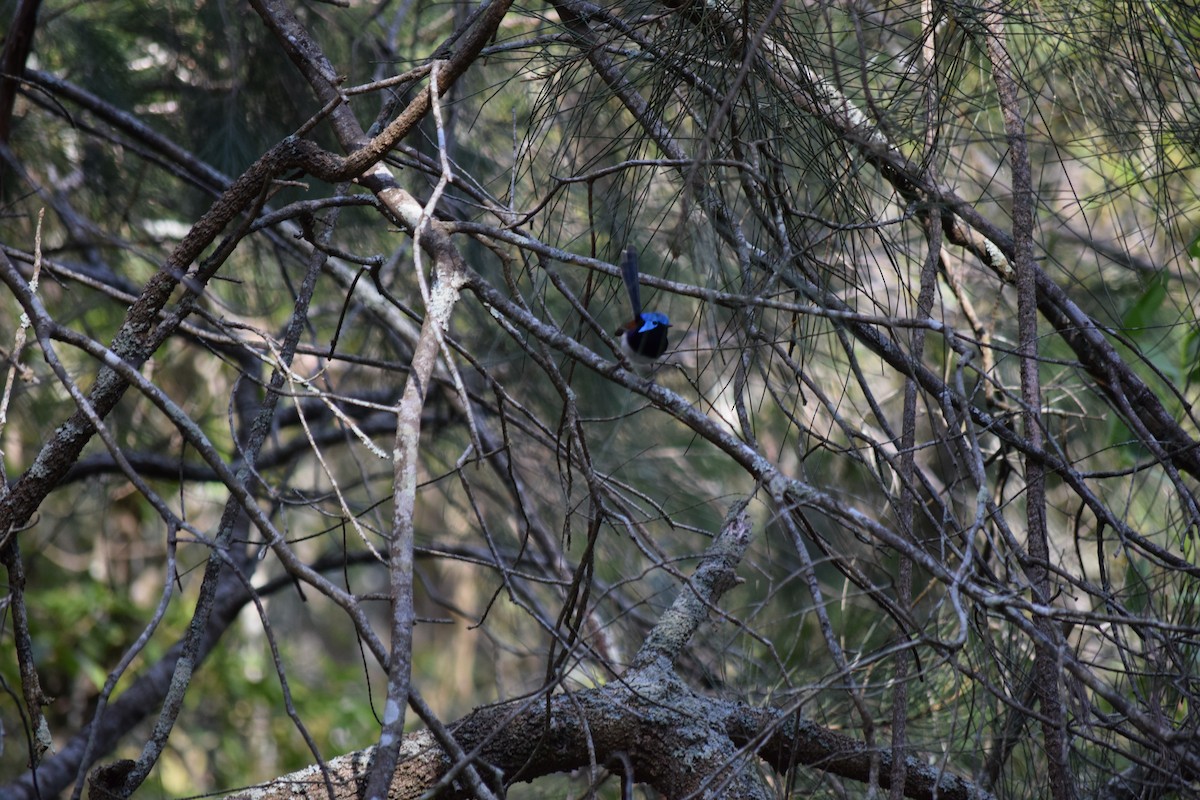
644,338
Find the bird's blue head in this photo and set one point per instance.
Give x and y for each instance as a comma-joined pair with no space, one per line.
645,338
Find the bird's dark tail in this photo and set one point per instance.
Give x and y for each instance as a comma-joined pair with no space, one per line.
629,272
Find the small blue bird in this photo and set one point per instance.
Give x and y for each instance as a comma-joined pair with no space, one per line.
644,338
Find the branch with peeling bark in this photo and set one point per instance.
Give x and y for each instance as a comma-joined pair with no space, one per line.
644,725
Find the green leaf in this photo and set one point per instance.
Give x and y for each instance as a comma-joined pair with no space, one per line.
1142,313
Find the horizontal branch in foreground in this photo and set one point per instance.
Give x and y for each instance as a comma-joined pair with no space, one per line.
649,722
